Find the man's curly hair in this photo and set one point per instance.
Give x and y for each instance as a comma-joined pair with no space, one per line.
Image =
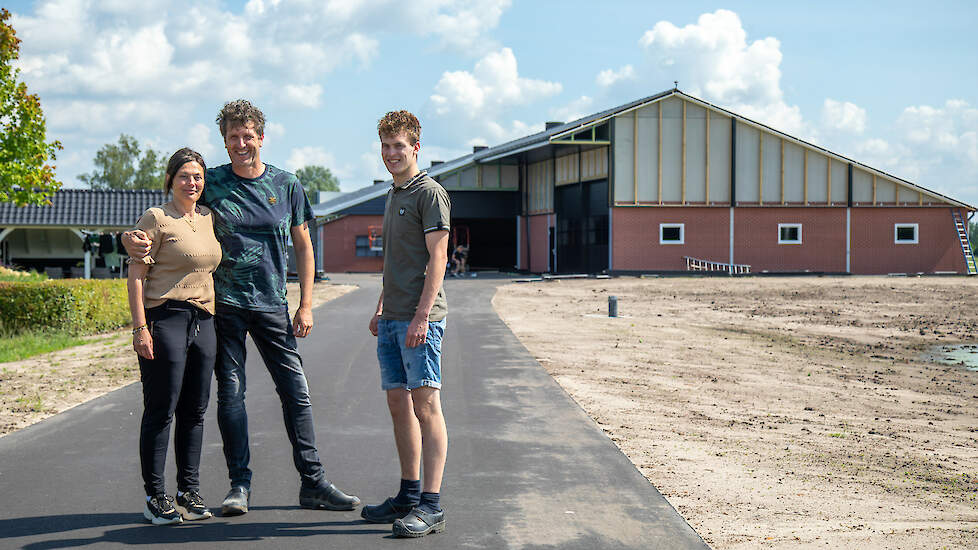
396,122
240,111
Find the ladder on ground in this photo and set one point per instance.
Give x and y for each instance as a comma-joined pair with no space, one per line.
962,229
696,264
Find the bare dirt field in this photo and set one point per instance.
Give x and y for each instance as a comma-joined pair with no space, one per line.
41,386
777,412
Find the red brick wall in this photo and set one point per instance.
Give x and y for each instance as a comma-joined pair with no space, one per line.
339,245
823,236
636,237
539,239
873,249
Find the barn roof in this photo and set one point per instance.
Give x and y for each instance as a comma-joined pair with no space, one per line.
83,208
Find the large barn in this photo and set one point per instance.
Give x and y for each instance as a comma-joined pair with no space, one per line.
671,183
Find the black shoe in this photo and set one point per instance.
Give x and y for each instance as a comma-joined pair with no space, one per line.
326,497
191,506
236,502
386,512
160,511
419,523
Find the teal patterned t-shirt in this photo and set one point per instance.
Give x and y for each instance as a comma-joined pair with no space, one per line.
253,219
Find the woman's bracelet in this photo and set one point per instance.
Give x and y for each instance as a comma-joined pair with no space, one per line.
137,329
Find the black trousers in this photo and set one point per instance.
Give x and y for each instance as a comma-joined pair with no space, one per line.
177,382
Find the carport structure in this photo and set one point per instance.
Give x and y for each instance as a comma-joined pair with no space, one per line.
53,235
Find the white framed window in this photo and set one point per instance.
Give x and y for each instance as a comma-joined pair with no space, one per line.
789,233
672,233
905,233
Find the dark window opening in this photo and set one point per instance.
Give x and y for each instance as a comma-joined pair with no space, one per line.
672,233
363,247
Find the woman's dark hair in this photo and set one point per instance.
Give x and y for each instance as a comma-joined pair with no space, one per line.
181,157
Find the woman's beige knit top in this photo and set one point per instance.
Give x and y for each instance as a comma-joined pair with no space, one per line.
183,257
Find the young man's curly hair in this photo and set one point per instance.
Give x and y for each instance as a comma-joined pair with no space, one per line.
240,111
396,122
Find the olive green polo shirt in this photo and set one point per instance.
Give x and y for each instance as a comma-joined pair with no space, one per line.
413,209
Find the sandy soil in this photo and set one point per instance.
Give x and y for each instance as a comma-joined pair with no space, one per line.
777,412
36,388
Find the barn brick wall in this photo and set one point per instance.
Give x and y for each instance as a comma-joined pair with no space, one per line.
823,236
636,237
538,235
873,249
339,245
636,245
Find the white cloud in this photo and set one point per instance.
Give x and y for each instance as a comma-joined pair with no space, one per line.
949,130
574,110
936,147
609,77
199,138
844,116
476,100
304,96
97,116
274,130
308,156
713,59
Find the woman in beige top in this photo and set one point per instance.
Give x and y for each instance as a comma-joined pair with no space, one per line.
171,297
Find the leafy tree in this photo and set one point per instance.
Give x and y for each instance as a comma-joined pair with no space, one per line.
973,235
317,178
25,175
119,166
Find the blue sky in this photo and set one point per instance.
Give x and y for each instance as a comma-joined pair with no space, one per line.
890,84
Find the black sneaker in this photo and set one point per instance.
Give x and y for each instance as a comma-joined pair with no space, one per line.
419,523
160,511
386,512
236,502
326,497
191,506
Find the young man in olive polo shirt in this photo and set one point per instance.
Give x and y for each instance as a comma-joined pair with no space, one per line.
409,323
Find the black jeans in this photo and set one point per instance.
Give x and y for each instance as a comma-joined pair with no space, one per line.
177,381
272,335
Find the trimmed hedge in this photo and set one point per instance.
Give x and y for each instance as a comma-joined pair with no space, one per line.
77,306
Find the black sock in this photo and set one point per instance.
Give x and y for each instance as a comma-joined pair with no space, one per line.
410,493
430,502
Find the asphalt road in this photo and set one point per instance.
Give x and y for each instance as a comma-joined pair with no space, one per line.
526,467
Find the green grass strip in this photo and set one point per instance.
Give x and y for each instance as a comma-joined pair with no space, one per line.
28,344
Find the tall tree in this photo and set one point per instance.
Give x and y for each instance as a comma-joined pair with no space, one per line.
25,175
119,166
317,178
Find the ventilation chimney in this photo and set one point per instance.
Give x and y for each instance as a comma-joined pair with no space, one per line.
477,148
553,124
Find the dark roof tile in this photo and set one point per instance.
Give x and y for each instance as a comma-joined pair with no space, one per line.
84,208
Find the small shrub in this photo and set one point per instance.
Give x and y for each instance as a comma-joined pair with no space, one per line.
76,306
7,274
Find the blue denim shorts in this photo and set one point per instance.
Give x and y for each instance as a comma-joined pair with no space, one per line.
404,367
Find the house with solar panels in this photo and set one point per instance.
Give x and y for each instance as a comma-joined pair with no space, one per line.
670,183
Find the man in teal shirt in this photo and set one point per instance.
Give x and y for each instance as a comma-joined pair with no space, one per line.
257,208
